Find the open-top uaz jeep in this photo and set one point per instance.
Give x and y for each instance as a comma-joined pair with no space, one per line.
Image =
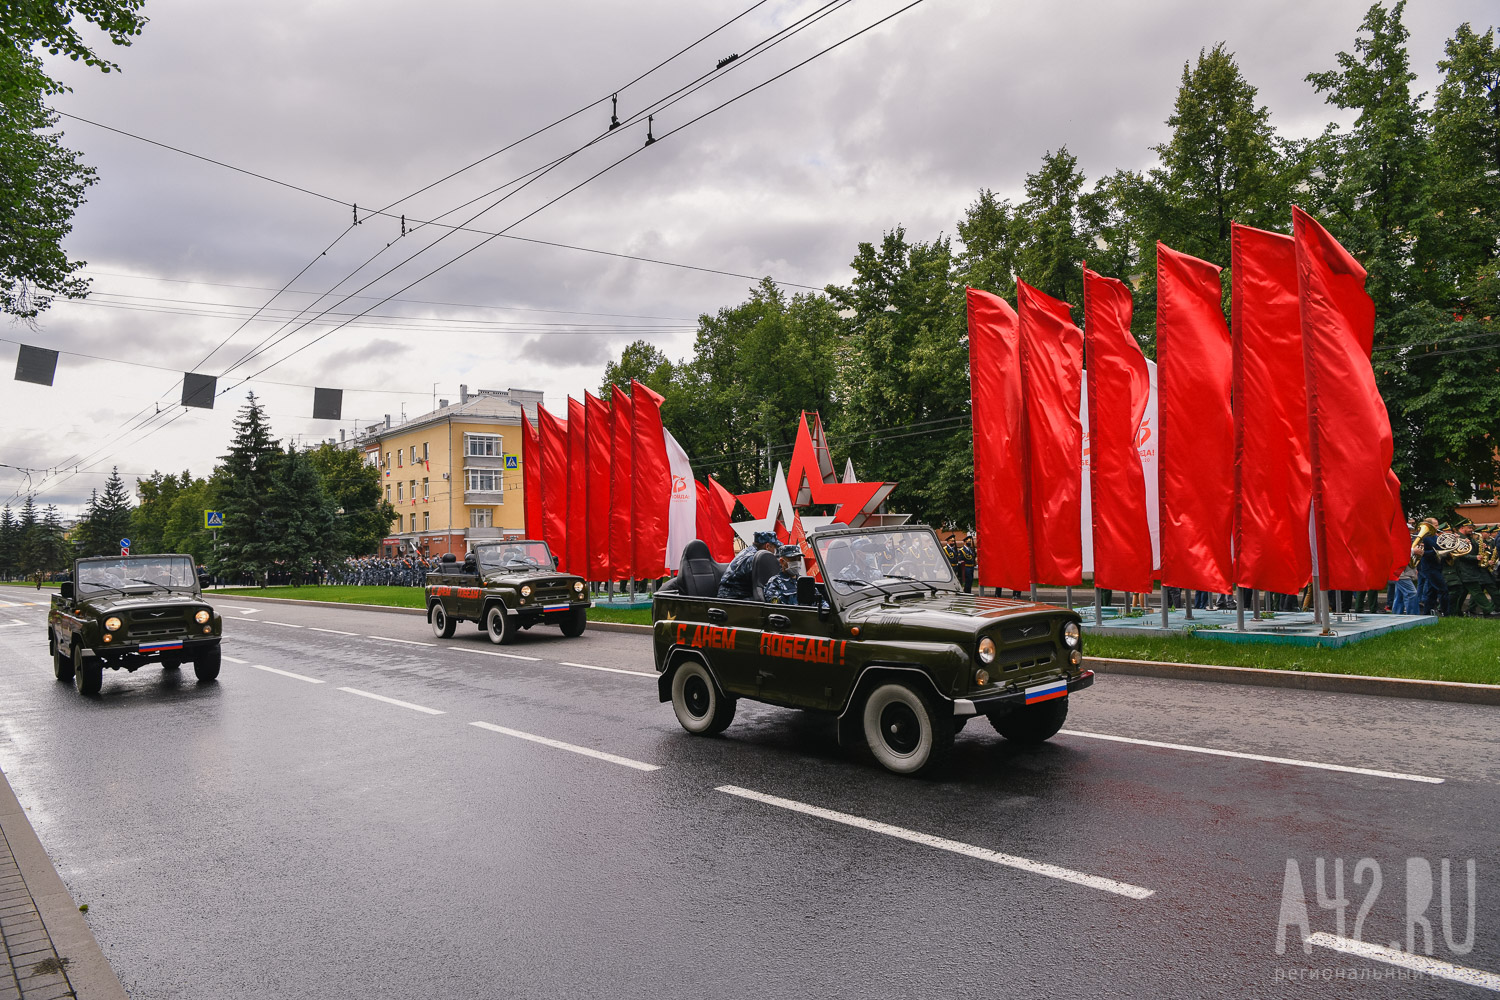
886,641
124,612
505,587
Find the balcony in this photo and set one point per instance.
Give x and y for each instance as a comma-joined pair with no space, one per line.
484,498
474,534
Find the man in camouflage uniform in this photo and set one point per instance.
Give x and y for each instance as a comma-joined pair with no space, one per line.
738,582
782,588
1472,578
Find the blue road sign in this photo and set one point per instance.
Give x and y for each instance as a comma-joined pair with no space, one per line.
213,519
124,543
512,462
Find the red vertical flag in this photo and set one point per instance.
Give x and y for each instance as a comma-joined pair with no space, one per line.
1052,360
1273,480
1194,368
1348,426
578,489
652,478
998,403
531,478
554,439
600,433
1119,387
621,521
713,525
1400,533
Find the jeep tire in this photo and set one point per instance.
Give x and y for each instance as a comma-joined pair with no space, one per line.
700,707
1033,725
442,625
206,664
574,622
62,666
88,671
906,729
498,625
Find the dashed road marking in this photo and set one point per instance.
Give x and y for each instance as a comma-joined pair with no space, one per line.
15,623
1416,963
267,621
409,642
560,745
332,631
240,662
1290,761
491,652
944,844
394,701
286,673
613,670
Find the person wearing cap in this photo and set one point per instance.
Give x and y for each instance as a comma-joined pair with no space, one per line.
782,588
1471,575
1432,589
738,582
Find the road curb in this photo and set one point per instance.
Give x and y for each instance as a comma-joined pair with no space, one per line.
1390,687
88,971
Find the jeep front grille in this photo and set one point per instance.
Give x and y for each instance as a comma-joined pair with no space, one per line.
1036,655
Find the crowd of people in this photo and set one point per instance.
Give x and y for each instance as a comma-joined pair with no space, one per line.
376,571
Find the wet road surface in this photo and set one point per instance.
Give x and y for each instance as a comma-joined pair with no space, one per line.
360,809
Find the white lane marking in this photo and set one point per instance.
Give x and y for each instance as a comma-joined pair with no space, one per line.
409,642
8,604
394,701
613,670
1417,963
267,621
559,745
1292,761
14,623
285,673
332,631
491,652
240,662
943,844
248,611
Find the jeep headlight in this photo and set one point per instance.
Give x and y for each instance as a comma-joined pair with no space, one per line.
986,650
201,617
1070,633
981,677
526,590
577,586
112,624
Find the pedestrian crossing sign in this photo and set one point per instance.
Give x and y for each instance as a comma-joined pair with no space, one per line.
213,519
512,462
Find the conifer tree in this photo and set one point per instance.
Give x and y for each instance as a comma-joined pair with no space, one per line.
10,544
248,541
299,506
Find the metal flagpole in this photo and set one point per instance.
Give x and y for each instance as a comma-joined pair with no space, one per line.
1239,608
1164,604
1187,604
1098,613
1069,592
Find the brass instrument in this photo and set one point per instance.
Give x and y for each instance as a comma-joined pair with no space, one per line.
1423,530
1451,545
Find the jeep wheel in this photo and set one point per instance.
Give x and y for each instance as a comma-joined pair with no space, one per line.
906,731
700,707
62,666
574,622
88,672
206,665
498,625
1030,726
442,625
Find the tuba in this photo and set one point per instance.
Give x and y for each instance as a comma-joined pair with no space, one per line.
1423,530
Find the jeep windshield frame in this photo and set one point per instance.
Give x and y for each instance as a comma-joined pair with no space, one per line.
854,562
524,556
125,574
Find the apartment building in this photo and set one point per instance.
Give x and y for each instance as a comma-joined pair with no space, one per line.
453,475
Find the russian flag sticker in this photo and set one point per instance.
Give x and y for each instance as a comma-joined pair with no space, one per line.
157,647
555,607
1046,692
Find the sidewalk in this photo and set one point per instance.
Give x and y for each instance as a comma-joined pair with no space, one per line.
49,951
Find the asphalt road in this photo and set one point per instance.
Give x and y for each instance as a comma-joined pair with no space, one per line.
330,819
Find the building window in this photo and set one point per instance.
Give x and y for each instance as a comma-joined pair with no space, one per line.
399,488
387,460
484,480
387,492
481,517
413,489
482,445
426,520
414,523
398,458
425,494
424,451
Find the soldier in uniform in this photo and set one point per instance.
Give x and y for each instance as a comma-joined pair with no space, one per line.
967,558
738,582
782,588
1432,589
1471,576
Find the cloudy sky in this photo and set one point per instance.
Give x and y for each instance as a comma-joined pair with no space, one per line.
369,102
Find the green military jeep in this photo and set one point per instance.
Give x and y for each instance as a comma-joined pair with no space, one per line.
505,587
123,612
886,642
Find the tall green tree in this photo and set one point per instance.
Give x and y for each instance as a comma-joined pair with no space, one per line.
354,487
53,553
1052,233
184,530
32,552
108,519
248,541
300,508
42,183
148,522
10,545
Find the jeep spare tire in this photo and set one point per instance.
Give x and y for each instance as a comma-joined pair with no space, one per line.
906,730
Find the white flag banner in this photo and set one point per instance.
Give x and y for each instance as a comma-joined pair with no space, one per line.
1145,442
682,513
